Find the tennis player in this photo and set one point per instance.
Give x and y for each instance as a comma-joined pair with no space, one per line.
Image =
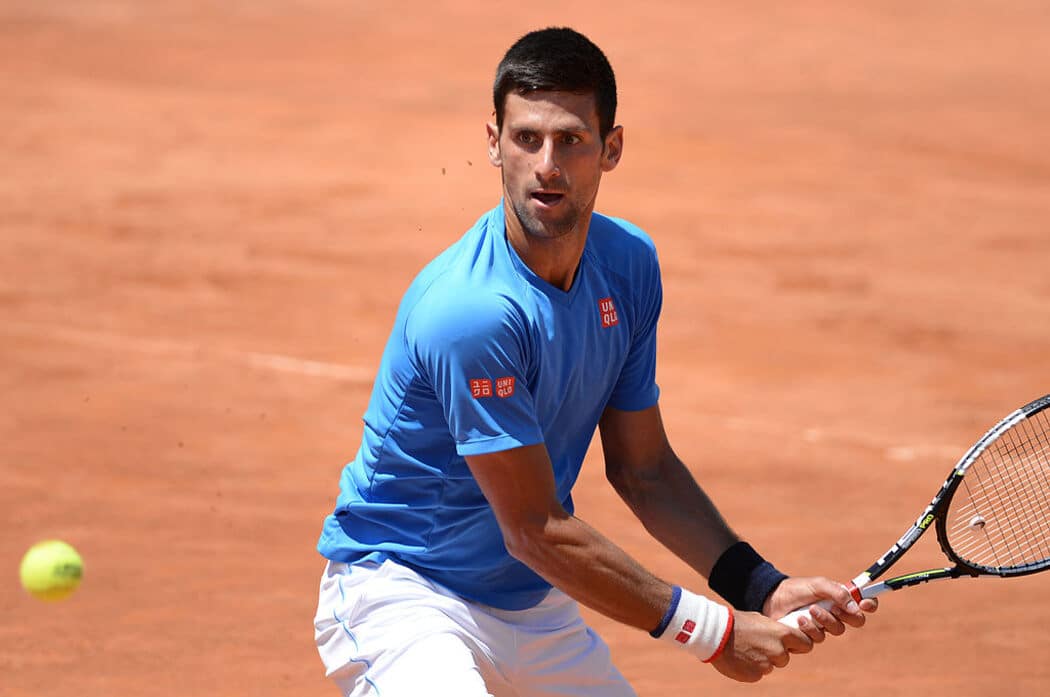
455,563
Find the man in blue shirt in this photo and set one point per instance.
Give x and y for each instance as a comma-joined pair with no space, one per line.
455,560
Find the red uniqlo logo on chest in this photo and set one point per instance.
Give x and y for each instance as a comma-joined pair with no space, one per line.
504,387
481,387
608,313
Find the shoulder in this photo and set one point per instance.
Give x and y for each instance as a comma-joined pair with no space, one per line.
450,311
622,247
452,326
621,232
462,285
462,297
455,261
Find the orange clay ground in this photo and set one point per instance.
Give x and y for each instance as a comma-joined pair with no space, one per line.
209,211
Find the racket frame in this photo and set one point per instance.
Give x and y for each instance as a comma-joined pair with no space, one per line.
933,515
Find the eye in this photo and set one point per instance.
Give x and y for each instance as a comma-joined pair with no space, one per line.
526,137
572,139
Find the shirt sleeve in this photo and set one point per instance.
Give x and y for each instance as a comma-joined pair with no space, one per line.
636,388
473,349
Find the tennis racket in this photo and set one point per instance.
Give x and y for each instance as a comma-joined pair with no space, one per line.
992,515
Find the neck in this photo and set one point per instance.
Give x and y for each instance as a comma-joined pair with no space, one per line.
554,259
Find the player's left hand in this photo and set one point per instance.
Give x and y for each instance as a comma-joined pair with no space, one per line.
797,592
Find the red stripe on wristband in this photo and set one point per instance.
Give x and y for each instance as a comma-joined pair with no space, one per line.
725,638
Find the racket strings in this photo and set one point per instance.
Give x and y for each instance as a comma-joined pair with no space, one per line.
1000,518
1008,501
1002,538
1015,533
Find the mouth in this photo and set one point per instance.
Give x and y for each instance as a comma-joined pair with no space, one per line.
547,199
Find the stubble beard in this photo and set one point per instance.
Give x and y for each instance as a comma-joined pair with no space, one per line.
564,225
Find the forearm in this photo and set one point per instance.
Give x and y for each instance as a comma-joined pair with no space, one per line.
675,511
588,567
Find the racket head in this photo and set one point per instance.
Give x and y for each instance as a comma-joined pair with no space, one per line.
995,516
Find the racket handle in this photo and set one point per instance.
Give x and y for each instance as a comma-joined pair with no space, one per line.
791,619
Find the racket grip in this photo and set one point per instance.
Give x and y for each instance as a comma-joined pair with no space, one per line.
791,619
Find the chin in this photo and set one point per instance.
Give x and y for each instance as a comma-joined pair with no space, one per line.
551,228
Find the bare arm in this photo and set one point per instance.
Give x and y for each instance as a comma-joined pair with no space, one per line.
660,489
568,553
665,497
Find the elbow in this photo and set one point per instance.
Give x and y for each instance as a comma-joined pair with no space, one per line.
625,481
640,484
618,479
518,545
530,541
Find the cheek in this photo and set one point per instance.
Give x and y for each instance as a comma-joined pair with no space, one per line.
585,166
586,176
514,168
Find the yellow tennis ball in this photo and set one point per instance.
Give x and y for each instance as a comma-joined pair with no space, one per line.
51,570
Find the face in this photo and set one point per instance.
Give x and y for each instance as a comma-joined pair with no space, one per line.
552,158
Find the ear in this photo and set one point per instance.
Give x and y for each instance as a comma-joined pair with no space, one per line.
613,149
495,156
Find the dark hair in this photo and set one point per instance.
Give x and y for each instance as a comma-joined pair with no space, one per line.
557,59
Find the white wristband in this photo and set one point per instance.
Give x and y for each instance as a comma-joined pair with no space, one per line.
699,625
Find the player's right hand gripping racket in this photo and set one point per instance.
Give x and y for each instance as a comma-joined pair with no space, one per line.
992,515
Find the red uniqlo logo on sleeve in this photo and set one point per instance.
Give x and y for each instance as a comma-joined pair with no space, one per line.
504,387
481,387
608,313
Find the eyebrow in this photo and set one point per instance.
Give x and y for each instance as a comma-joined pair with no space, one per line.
579,127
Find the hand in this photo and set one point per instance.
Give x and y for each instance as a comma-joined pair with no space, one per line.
794,593
757,645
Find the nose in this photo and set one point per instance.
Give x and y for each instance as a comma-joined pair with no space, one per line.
547,166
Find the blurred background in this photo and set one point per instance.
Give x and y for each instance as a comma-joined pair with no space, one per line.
209,211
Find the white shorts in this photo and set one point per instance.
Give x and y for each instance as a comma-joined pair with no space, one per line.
386,631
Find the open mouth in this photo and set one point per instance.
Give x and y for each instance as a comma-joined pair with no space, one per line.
547,198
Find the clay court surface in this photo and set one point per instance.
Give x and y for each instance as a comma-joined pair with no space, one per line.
209,211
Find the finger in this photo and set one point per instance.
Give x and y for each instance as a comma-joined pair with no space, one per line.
832,621
844,600
798,641
759,668
869,604
839,595
851,620
811,630
780,660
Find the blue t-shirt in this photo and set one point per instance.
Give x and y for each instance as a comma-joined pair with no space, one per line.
486,356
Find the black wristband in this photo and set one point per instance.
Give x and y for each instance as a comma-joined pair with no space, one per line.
743,578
